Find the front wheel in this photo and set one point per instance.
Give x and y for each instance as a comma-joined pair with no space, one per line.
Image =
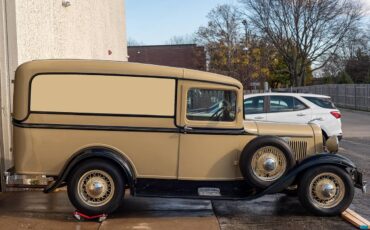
326,190
96,187
265,160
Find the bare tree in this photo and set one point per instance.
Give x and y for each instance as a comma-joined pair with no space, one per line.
222,33
304,31
133,42
357,39
181,40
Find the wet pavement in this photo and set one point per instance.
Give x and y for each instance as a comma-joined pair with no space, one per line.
272,212
35,210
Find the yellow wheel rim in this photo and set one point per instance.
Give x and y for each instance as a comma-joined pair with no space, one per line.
96,188
269,163
327,190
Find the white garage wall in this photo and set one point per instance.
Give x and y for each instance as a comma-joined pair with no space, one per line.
45,29
86,29
8,63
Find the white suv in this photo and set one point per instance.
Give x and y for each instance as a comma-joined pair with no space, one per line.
295,108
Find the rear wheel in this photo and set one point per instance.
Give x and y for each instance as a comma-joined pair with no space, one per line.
96,187
326,190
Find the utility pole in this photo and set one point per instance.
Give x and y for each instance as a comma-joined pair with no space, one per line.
245,49
245,23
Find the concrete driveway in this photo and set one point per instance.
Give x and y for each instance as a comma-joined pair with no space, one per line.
35,210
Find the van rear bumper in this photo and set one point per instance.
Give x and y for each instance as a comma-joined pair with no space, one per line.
14,180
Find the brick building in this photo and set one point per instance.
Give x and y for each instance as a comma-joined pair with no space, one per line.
188,56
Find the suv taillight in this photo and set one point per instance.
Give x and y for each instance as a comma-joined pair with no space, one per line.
336,114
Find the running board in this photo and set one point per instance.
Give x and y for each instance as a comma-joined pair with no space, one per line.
193,189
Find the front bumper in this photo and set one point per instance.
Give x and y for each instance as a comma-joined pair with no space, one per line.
358,180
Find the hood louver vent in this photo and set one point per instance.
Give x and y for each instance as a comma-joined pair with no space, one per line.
299,148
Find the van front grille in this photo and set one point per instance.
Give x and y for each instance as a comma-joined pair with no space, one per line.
299,148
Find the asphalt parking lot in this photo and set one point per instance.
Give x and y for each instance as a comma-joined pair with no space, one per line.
284,212
35,210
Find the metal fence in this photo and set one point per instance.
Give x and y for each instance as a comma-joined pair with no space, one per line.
253,91
351,96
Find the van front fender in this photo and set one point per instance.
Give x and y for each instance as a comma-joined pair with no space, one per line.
314,161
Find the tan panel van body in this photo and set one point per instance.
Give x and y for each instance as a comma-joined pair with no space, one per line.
103,126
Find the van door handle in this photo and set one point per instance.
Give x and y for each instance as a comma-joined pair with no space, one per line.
301,114
187,129
259,118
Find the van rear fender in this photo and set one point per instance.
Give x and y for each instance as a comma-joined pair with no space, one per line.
100,153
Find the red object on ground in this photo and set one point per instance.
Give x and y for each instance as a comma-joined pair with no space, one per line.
336,114
81,216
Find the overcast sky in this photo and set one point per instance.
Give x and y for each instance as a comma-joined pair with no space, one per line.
154,22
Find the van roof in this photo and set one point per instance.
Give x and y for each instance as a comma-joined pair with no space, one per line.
118,68
26,72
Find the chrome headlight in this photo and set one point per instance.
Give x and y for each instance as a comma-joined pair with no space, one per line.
332,144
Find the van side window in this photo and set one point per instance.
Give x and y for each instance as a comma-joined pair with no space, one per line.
211,105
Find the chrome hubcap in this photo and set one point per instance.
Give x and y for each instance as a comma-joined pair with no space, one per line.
269,163
327,190
96,188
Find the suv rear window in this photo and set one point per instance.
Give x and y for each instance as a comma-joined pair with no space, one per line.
322,102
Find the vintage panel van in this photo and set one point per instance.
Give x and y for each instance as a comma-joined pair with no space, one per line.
101,127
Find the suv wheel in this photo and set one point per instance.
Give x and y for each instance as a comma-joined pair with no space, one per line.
326,190
96,187
265,160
